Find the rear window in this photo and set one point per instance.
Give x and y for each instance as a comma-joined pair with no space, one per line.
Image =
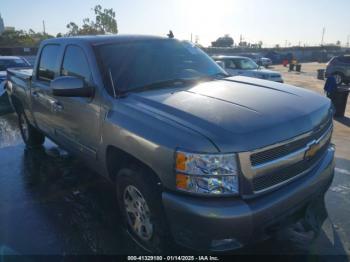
48,62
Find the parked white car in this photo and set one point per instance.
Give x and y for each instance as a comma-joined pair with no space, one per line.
239,65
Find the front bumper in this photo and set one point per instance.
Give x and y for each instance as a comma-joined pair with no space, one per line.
197,223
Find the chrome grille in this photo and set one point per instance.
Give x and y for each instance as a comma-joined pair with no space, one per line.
278,176
278,164
283,150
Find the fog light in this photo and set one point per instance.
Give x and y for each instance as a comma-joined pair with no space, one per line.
225,244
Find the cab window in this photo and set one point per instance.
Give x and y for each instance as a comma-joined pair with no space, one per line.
48,62
76,64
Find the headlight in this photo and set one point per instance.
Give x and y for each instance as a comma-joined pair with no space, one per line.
214,174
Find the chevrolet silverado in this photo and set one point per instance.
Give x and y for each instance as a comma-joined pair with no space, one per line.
211,161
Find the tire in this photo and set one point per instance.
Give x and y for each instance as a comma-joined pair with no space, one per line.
339,78
30,135
139,199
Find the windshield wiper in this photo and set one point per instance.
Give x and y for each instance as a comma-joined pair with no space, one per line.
180,82
171,82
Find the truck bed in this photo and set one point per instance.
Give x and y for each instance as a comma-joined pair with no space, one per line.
21,83
23,73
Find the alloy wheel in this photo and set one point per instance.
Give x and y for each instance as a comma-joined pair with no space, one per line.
137,213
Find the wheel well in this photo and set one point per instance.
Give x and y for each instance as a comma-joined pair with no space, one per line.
338,72
118,159
17,104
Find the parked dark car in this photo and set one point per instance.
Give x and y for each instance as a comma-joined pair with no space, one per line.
339,67
212,161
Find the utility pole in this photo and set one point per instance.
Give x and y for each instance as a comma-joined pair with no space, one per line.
196,39
347,44
44,29
323,32
191,38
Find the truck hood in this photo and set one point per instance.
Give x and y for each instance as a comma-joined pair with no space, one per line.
238,114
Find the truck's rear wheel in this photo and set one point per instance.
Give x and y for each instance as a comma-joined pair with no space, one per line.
140,204
30,135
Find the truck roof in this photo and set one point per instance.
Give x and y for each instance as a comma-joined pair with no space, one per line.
103,39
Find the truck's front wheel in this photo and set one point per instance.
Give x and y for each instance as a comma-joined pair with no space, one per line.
31,136
140,204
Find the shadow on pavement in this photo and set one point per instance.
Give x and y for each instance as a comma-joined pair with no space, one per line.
343,120
50,203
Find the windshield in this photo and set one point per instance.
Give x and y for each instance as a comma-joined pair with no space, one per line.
10,63
241,63
134,65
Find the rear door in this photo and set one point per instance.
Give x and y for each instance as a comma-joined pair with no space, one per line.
77,121
42,99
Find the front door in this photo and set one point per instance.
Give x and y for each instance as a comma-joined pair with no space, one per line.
77,118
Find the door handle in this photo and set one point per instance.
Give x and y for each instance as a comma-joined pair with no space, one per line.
35,94
56,106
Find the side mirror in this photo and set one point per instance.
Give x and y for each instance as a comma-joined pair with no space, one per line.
221,64
70,86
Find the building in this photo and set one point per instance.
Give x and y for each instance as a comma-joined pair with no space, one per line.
2,26
9,28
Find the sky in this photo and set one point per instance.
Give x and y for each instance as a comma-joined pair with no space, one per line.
283,22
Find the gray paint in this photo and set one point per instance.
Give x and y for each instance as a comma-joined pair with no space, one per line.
236,114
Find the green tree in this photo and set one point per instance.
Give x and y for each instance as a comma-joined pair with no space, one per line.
105,20
225,41
104,23
21,38
73,29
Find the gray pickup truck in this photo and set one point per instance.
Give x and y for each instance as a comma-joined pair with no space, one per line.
211,161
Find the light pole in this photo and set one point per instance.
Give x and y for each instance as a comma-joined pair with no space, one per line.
323,32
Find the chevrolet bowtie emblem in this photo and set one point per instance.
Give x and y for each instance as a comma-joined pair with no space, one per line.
313,149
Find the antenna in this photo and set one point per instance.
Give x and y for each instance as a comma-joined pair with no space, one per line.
170,35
